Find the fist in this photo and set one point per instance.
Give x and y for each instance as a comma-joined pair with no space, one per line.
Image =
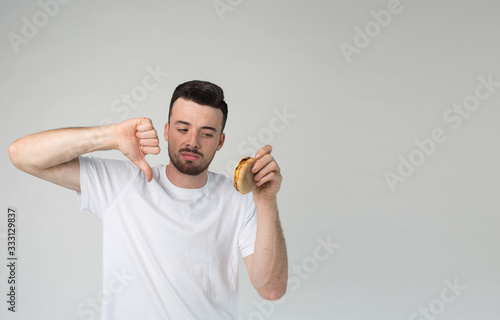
135,139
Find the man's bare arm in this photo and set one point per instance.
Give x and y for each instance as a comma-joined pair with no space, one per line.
268,265
53,155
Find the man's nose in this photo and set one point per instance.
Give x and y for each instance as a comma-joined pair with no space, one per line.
193,141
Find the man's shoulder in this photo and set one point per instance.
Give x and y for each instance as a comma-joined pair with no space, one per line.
220,180
105,160
224,184
107,164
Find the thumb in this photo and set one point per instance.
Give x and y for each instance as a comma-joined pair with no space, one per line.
144,166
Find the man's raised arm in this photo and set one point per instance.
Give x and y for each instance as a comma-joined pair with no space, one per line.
53,155
268,265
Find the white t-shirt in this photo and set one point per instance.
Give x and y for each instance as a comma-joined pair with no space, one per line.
168,252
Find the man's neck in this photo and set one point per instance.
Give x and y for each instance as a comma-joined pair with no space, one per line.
185,181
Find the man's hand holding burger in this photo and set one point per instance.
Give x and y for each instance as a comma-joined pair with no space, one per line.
267,175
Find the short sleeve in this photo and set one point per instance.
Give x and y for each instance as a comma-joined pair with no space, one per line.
248,231
102,181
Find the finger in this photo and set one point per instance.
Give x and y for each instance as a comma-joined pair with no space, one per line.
145,124
149,142
271,167
144,166
146,134
150,150
262,162
267,149
272,176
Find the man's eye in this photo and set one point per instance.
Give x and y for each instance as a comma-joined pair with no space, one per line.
206,134
182,130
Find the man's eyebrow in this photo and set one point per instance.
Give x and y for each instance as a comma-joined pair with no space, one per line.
189,124
209,128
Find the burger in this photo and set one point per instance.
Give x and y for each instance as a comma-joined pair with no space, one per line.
243,178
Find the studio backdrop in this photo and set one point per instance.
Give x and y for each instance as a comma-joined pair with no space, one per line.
383,117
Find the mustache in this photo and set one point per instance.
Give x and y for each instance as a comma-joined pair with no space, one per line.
193,151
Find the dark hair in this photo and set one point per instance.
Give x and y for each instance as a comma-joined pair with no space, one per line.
201,92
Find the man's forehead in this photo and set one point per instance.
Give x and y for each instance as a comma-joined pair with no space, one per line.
194,113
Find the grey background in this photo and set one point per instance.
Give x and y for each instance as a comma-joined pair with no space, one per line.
351,123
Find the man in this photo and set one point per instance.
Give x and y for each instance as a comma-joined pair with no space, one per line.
175,230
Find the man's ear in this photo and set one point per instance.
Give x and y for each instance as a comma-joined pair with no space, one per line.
221,141
165,134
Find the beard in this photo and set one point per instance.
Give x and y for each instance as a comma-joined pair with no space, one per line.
187,166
